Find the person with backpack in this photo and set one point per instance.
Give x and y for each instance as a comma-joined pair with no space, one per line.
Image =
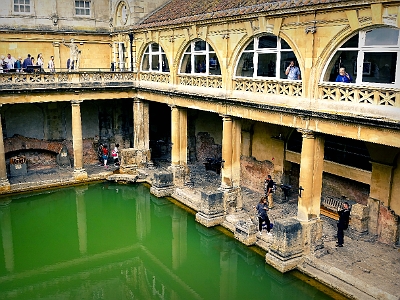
343,224
269,191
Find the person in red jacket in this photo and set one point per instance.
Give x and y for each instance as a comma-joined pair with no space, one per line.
105,155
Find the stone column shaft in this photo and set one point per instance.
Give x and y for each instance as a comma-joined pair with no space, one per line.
3,169
226,171
79,172
183,141
175,136
141,122
306,176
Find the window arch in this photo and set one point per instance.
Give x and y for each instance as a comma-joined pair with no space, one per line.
200,59
265,56
370,56
154,59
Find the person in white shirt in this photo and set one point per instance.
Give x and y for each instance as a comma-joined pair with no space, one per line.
10,61
40,61
292,71
50,65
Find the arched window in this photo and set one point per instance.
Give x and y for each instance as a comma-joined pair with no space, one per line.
200,58
370,56
154,59
265,56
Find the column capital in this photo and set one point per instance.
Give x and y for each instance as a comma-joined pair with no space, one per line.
76,102
226,118
306,133
138,100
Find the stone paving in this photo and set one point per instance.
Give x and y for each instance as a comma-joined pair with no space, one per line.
362,269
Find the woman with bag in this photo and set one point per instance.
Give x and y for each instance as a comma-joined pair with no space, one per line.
261,209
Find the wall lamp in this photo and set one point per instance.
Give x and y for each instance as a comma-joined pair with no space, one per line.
312,29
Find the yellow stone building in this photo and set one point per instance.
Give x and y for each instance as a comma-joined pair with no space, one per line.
209,79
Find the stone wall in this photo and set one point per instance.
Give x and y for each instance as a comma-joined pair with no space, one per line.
253,173
206,147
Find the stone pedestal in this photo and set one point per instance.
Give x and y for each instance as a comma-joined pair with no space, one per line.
211,211
80,174
232,199
163,184
359,219
132,159
180,173
312,236
246,232
18,169
286,250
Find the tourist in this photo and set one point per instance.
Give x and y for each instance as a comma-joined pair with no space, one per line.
10,61
2,63
105,155
343,224
292,71
269,191
18,64
50,65
262,215
40,62
343,76
27,62
114,154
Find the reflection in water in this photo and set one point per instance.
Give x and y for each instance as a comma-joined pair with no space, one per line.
109,241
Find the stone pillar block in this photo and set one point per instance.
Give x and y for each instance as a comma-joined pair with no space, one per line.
80,174
312,236
286,250
163,184
180,173
374,206
245,232
232,199
132,159
359,218
211,211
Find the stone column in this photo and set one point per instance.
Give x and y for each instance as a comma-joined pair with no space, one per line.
139,156
230,168
310,182
57,57
4,183
79,172
175,138
179,145
226,170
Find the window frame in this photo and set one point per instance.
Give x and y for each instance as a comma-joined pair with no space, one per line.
83,8
152,54
258,51
30,5
208,53
361,50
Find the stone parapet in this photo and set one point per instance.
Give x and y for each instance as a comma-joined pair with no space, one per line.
286,250
163,184
131,159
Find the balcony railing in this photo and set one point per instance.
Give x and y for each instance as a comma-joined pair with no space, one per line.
201,81
359,94
38,78
275,87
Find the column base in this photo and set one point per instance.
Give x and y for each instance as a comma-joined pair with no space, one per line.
210,220
4,185
286,250
232,199
80,174
163,185
180,173
246,232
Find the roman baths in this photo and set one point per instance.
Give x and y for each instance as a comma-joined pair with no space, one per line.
136,138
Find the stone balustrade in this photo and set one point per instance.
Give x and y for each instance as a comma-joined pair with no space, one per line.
275,87
328,91
359,94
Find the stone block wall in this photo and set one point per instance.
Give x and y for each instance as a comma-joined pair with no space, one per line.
206,147
253,173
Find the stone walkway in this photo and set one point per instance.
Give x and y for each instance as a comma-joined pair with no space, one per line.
362,269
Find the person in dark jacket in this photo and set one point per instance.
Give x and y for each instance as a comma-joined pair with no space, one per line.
343,224
261,209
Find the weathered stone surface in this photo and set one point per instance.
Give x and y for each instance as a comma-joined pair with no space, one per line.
245,232
286,249
359,218
211,209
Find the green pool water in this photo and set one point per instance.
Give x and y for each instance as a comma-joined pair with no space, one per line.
110,241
